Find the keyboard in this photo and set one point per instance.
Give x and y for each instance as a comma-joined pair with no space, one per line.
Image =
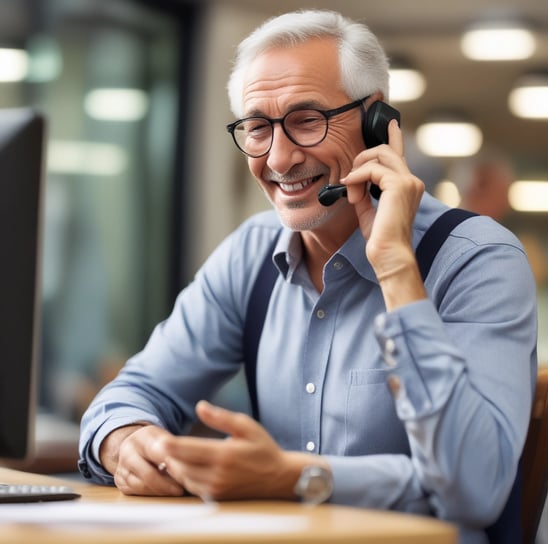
10,493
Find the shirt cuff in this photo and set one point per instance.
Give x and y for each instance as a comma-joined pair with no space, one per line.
383,481
424,362
89,464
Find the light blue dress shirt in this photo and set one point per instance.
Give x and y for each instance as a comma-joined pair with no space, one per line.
447,444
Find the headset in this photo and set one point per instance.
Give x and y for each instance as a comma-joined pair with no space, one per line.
375,132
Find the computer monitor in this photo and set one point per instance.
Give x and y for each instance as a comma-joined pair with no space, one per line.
22,141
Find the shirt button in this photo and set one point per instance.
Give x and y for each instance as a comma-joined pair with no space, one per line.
310,446
337,265
320,314
310,388
390,351
380,323
390,346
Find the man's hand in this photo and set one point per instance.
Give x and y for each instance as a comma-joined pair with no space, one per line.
388,229
125,453
247,464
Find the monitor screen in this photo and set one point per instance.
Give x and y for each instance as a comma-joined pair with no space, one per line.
21,195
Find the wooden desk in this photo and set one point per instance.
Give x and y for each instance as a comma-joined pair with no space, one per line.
323,524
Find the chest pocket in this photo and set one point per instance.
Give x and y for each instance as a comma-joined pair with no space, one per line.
371,423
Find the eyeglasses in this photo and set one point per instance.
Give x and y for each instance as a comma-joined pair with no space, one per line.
305,127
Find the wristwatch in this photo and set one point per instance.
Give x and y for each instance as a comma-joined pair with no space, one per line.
315,485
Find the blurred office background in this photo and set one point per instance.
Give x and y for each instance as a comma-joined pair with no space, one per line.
142,180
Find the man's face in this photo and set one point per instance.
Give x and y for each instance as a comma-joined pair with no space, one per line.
281,80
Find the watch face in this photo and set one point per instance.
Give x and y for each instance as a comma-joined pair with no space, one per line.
315,485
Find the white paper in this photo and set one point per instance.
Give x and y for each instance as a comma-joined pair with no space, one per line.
248,524
106,514
152,517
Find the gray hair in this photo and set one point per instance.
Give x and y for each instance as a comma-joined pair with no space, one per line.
363,62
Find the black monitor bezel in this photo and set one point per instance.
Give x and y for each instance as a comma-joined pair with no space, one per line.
22,162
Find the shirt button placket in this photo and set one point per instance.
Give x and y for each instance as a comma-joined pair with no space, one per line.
310,388
316,368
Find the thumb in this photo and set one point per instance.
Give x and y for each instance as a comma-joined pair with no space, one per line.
235,424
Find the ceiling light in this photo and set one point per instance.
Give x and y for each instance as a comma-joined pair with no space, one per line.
449,137
14,64
529,98
116,104
448,193
529,195
45,59
406,82
498,40
86,158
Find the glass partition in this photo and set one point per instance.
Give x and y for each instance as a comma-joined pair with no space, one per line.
106,76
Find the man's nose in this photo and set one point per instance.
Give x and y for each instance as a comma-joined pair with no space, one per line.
284,153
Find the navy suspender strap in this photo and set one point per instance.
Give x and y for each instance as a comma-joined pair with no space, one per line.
436,235
257,306
254,321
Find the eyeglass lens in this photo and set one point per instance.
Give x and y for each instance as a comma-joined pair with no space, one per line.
304,127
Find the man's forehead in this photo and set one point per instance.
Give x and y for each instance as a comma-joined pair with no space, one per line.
295,75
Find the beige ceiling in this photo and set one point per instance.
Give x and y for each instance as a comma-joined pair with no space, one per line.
428,32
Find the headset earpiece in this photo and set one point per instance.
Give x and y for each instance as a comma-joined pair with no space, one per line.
375,123
375,129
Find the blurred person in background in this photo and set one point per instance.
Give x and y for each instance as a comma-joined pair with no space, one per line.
484,182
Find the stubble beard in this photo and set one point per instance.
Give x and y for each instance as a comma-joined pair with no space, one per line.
292,219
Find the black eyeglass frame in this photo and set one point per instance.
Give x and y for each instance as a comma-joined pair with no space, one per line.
328,114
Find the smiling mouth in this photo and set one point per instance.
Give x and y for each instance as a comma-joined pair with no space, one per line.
299,185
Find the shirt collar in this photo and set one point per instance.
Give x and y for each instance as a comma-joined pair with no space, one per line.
288,252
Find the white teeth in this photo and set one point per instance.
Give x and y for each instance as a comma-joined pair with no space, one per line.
293,187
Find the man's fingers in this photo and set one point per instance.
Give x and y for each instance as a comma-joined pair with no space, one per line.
140,477
232,423
395,137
